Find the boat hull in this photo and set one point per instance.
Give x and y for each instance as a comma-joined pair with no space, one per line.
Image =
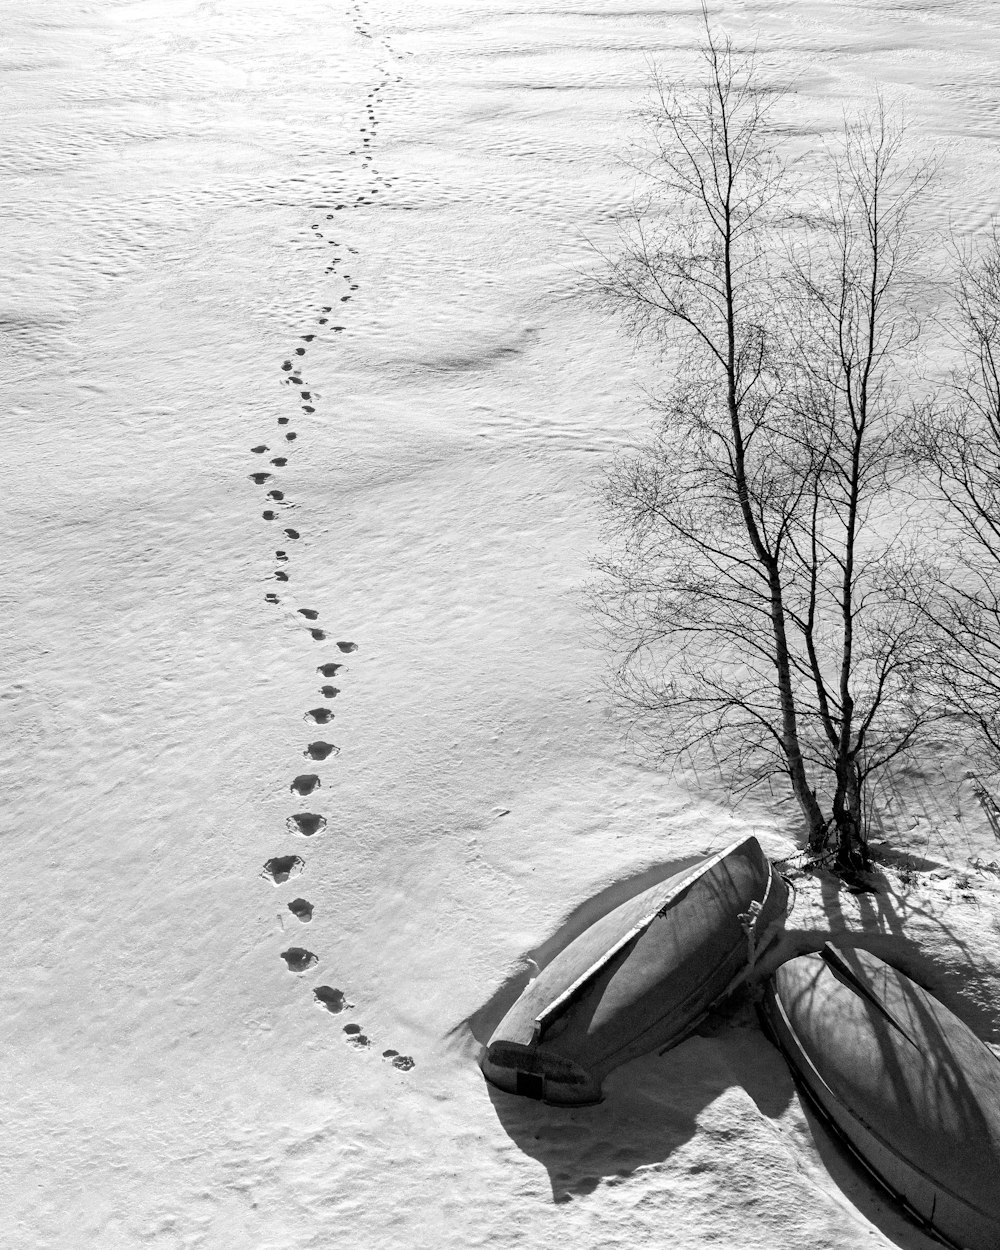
910,1089
640,978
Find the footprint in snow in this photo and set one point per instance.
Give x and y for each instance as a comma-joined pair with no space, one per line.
280,867
305,783
309,613
299,959
306,823
320,750
329,692
302,909
332,999
318,634
293,534
346,647
329,670
319,715
403,1062
260,478
259,449
356,1037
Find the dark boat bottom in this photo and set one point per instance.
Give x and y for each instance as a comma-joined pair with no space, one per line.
838,1134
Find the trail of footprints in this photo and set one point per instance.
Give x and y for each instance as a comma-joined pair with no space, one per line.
282,870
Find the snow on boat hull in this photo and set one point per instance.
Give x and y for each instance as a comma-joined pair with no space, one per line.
638,979
913,1092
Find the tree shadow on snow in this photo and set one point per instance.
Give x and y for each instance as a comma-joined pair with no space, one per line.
885,918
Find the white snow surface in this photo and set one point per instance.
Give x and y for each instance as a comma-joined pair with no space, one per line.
186,188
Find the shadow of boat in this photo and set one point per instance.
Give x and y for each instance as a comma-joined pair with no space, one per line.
650,1110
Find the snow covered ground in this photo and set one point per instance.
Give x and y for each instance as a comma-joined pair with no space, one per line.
228,222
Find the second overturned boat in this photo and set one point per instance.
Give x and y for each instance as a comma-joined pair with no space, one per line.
909,1088
640,978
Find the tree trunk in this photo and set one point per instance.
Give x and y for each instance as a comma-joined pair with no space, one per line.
852,846
809,807
804,794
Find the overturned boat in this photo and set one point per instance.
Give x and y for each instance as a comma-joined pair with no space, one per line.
641,977
910,1090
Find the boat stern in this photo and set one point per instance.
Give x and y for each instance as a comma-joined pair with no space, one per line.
537,1072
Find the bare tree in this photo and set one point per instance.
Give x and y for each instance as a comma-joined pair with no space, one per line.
754,581
854,334
961,440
